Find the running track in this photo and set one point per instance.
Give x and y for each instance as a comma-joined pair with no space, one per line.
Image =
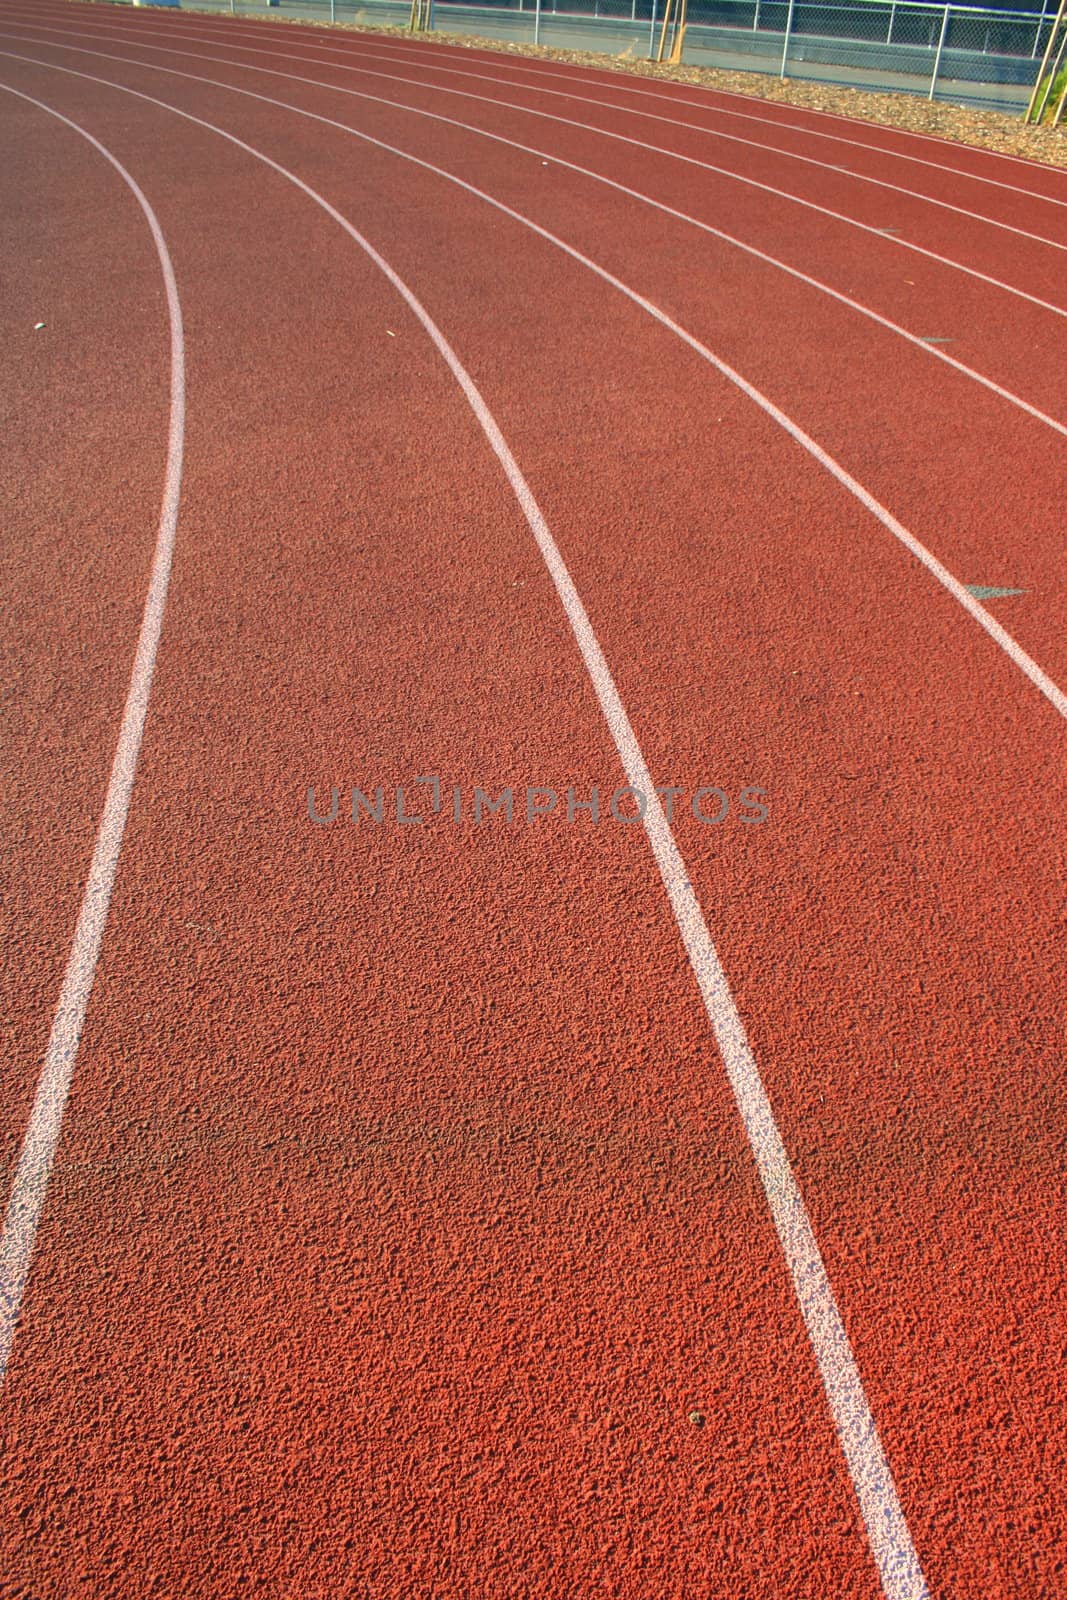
537,1208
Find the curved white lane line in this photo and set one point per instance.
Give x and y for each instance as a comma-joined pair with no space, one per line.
887,1530
709,109
754,144
639,144
705,227
381,52
566,73
1041,681
42,1134
412,51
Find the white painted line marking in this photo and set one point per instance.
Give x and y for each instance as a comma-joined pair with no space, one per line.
409,52
710,108
421,51
380,53
887,1530
919,341
640,144
42,1134
996,632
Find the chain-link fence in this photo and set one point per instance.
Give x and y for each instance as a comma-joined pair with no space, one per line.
988,58
958,53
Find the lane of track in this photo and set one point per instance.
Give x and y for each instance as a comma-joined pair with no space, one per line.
976,510
966,162
830,183
754,205
931,349
1009,211
42,1134
152,1252
555,118
941,185
986,880
892,141
678,97
77,389
876,211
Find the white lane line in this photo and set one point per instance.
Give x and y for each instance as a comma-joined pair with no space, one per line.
1041,681
389,53
919,342
887,1530
42,1134
568,74
421,50
379,53
418,52
384,52
588,127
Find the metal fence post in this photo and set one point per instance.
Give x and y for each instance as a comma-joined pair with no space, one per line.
652,33
755,19
940,52
333,10
788,31
892,19
1041,24
537,22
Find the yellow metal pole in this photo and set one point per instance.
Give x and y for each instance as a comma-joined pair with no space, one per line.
667,11
1053,74
1044,64
679,32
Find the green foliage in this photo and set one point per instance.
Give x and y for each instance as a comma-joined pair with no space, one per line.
1054,98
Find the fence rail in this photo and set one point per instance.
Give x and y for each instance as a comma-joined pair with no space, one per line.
965,54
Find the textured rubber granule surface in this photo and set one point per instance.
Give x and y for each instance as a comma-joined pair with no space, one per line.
403,1236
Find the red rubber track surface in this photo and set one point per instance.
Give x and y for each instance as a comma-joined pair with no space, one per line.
402,1213
839,180
715,119
910,146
